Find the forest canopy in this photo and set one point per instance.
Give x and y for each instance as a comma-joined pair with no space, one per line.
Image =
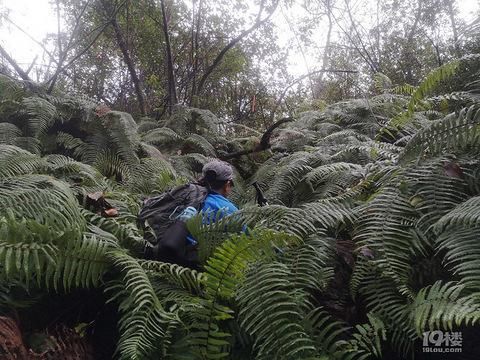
367,246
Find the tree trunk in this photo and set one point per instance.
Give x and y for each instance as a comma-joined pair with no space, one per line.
130,65
111,14
326,50
172,91
195,49
451,14
409,45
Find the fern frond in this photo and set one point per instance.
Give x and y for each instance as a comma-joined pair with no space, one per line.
281,190
145,327
41,198
462,253
224,271
42,114
270,313
111,165
332,179
10,89
30,250
127,235
383,298
325,330
27,249
366,342
186,278
8,132
164,137
382,82
15,161
435,191
442,306
311,264
211,229
466,214
152,175
81,263
451,134
198,144
121,130
432,80
386,226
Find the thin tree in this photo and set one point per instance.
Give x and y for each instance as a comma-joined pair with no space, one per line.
172,90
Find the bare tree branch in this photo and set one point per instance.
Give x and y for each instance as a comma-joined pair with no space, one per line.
297,80
50,55
32,64
18,69
62,55
101,29
258,22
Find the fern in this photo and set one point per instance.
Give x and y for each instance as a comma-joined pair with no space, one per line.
30,250
42,115
224,271
15,161
41,198
270,313
432,80
441,306
462,249
451,134
310,264
367,340
465,214
200,145
385,226
145,327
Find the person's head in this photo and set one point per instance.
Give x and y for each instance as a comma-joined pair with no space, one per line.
218,176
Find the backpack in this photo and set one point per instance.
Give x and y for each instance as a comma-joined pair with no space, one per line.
168,241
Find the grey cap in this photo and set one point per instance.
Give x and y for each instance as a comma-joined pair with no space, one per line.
222,169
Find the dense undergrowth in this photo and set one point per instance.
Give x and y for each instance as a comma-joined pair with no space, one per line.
369,240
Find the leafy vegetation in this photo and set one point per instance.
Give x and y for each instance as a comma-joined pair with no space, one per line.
369,240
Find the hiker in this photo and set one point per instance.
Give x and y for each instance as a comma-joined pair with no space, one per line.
167,214
218,179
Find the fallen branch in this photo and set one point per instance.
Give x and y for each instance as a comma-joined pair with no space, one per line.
264,141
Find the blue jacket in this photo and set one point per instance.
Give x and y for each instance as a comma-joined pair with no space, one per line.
215,203
213,206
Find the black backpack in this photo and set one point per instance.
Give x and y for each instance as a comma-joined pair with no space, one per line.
168,241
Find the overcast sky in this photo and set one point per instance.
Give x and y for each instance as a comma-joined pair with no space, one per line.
37,18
